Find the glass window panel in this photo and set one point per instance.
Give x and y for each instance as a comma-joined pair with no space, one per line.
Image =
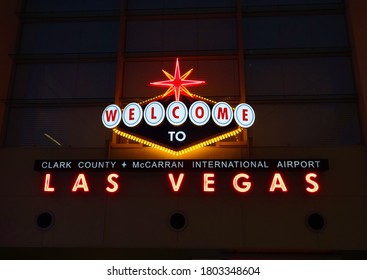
173,35
65,80
71,127
70,37
288,2
299,76
306,124
178,4
71,5
221,77
319,31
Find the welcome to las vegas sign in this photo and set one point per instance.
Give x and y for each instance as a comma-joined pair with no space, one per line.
178,121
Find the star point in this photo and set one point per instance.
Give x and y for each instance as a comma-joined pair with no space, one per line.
177,83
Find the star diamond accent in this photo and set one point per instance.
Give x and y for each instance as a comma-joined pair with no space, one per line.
177,83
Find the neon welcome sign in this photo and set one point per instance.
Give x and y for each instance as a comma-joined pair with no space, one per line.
178,121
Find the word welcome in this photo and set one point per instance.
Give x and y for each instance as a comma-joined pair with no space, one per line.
177,113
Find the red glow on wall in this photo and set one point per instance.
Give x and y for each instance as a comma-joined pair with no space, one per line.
278,183
80,183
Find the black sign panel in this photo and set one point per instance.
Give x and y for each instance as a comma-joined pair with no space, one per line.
183,165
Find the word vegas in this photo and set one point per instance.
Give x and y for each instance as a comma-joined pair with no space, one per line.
241,183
